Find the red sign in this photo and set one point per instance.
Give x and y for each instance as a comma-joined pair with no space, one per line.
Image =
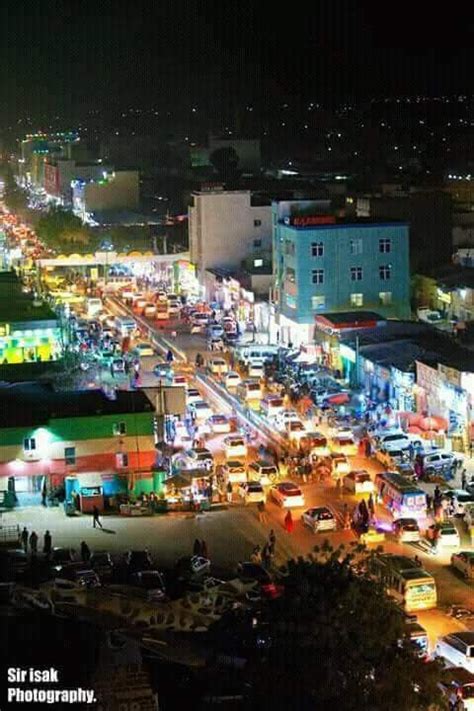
308,220
51,179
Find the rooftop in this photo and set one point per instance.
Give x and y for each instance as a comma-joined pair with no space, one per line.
35,404
330,222
453,276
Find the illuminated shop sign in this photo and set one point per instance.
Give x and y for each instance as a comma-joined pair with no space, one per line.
4,329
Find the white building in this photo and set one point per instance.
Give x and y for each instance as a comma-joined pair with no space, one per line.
225,228
118,190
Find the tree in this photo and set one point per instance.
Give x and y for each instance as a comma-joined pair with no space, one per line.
14,197
61,229
225,162
338,642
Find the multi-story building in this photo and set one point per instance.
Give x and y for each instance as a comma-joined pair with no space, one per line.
327,264
118,190
60,173
225,228
46,435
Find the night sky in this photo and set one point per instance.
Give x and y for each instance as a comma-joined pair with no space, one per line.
59,55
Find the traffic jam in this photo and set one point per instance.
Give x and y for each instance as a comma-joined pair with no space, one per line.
272,429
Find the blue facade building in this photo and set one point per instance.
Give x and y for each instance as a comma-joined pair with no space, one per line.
323,263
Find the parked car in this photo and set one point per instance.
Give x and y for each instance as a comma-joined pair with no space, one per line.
137,560
62,556
469,514
13,563
398,441
235,447
193,566
256,369
287,494
319,519
344,443
457,683
198,458
464,562
406,530
252,492
358,482
438,460
78,574
457,649
151,582
102,564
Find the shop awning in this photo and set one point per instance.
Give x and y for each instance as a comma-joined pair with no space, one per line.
86,479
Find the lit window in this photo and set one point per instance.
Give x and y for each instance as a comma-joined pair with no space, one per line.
122,460
357,299
29,444
258,262
385,298
318,302
385,272
356,273
120,428
317,249
290,275
70,455
385,245
356,246
318,276
257,223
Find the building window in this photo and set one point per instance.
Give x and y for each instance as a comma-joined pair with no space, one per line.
318,302
356,273
385,298
257,243
317,249
70,455
121,460
385,245
356,246
318,276
385,272
357,299
29,444
120,428
257,223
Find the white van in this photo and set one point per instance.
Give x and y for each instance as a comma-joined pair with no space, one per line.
272,405
255,352
457,649
250,390
218,366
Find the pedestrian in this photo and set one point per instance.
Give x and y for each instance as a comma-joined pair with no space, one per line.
85,552
463,479
197,547
256,556
169,356
368,448
24,539
429,502
272,541
289,523
229,492
204,551
262,514
417,562
43,495
371,506
34,543
47,544
437,494
339,486
266,556
95,517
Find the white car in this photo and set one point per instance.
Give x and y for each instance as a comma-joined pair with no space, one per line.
457,649
200,410
287,494
232,379
199,458
193,395
174,307
235,472
235,447
406,530
358,482
215,330
265,472
398,440
252,492
464,562
256,369
319,519
217,366
448,536
295,430
219,424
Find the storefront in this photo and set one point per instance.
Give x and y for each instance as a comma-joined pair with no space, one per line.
28,342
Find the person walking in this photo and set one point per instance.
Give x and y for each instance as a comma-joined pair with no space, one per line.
271,542
47,544
204,551
463,479
229,492
197,547
24,539
95,518
266,556
34,543
289,523
262,514
85,552
371,506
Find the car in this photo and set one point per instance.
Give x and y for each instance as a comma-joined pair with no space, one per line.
215,344
358,482
231,338
217,366
62,556
182,438
287,494
345,444
232,379
193,395
372,536
174,307
101,562
250,390
235,447
149,310
459,498
429,315
457,649
393,459
398,441
200,410
215,330
78,574
13,562
339,464
448,535
189,567
256,369
137,560
252,492
316,443
464,562
282,418
439,460
406,530
319,518
144,348
263,471
235,472
219,424
457,686
272,405
320,395
151,582
198,458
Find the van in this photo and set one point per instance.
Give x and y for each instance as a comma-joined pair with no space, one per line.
218,366
124,326
256,369
94,306
272,405
250,390
457,649
255,352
